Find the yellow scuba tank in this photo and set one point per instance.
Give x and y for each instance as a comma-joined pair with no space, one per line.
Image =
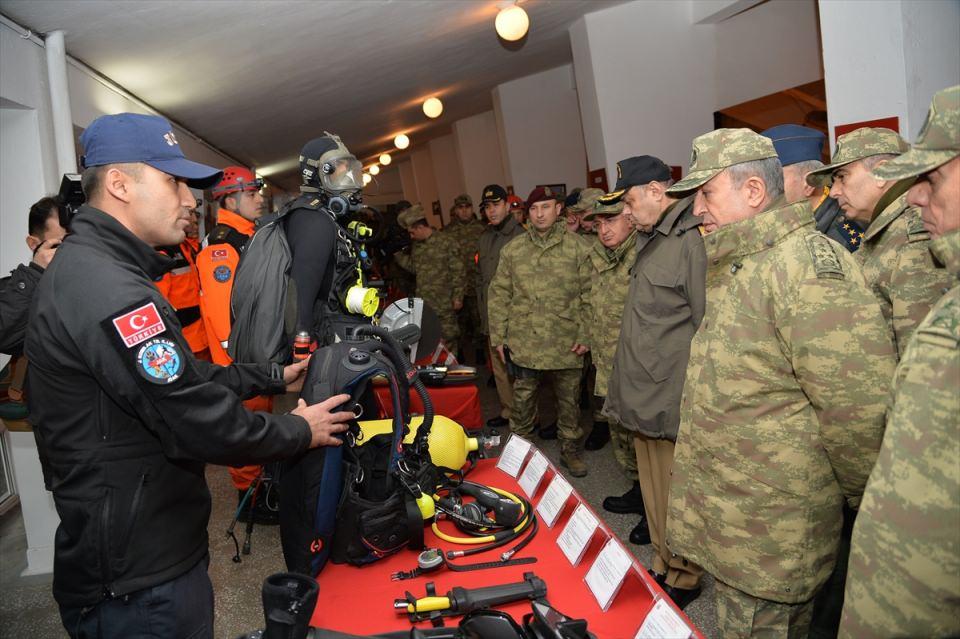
448,443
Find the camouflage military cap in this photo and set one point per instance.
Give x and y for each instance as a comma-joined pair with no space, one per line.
463,199
410,216
604,210
585,200
937,144
857,145
715,151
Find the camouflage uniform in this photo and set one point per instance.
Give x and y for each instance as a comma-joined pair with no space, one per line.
539,307
904,577
894,254
467,235
438,266
608,293
781,415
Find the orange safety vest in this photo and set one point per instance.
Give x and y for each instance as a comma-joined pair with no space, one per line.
181,287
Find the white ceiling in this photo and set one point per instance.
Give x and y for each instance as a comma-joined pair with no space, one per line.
259,78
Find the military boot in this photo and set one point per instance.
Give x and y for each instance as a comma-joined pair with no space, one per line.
571,458
629,502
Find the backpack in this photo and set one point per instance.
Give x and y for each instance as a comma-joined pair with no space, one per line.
261,294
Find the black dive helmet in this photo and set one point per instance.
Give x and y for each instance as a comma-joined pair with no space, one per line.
329,169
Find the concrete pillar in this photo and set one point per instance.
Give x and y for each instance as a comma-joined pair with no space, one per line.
60,102
478,147
538,118
886,58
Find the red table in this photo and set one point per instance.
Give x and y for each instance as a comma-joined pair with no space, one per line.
459,402
360,600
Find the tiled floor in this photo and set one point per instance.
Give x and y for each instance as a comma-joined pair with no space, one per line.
27,609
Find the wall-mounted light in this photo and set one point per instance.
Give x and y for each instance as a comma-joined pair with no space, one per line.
385,159
512,23
366,179
374,170
432,107
401,141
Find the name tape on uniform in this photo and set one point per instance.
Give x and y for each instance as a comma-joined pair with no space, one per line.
663,622
513,455
578,532
139,325
554,500
607,573
533,474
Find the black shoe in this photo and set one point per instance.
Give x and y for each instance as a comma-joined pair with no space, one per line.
640,535
498,422
627,503
657,577
548,432
683,597
262,515
598,437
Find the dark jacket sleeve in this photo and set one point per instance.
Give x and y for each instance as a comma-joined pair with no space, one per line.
16,292
246,380
696,283
192,416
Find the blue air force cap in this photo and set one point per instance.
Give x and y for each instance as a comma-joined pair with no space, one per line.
795,143
149,139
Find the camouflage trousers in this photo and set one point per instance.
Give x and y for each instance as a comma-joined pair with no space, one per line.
468,319
740,616
502,380
450,329
566,384
623,450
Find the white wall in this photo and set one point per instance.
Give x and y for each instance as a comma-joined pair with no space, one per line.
408,182
447,172
426,182
887,58
540,116
21,176
590,116
478,147
385,188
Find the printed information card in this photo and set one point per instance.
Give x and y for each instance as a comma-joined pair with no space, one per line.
554,499
513,455
533,473
663,622
608,572
578,532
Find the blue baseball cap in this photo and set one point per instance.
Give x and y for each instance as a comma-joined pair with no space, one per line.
132,137
795,143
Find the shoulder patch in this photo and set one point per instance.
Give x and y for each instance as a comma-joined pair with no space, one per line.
222,273
915,230
138,325
160,361
825,260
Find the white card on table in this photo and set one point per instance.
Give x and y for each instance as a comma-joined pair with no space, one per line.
663,622
513,455
554,499
578,532
607,573
533,473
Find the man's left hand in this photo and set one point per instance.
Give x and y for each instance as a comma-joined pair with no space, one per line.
294,374
579,349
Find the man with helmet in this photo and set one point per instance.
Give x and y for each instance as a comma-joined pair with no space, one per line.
238,196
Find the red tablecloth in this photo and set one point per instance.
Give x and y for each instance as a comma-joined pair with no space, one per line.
460,402
360,600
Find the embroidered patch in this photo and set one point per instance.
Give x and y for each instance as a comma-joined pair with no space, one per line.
139,324
915,230
159,361
222,273
825,260
219,254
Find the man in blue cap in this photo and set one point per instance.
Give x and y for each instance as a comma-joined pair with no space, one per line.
127,415
800,150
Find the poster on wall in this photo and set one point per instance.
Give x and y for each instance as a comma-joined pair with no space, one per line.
560,189
892,123
597,179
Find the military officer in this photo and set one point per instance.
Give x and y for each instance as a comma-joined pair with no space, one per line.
436,261
664,306
501,228
539,309
800,150
904,575
895,253
782,410
465,229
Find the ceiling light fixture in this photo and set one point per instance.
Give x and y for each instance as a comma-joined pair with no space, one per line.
374,170
385,159
366,179
401,141
432,107
512,23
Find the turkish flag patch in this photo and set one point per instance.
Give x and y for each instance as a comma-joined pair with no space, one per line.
219,254
139,325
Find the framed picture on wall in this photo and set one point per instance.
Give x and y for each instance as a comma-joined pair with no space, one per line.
556,188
